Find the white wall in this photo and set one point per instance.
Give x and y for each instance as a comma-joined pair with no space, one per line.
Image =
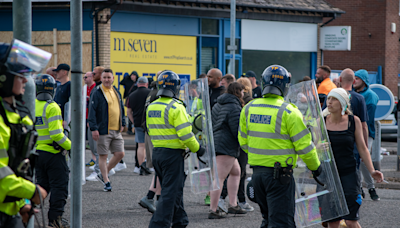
279,36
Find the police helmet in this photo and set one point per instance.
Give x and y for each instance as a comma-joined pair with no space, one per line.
275,80
169,84
19,59
45,87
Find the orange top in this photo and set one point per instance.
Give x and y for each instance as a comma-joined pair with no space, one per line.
326,86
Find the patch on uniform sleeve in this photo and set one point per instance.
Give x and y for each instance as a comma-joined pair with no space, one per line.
39,121
261,119
155,114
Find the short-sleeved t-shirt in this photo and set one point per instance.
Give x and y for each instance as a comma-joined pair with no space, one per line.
62,96
137,101
88,92
358,106
257,92
326,86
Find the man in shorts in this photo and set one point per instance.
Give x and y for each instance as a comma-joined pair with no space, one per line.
137,101
106,121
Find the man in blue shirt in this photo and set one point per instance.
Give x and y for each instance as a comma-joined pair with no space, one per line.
361,86
64,90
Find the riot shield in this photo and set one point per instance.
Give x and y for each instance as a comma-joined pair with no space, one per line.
202,172
320,199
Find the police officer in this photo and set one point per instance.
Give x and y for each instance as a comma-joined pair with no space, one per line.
52,146
170,132
273,134
15,123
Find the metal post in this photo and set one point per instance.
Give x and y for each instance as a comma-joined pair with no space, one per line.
376,147
22,29
76,113
232,47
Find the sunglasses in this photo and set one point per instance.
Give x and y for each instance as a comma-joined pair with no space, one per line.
86,77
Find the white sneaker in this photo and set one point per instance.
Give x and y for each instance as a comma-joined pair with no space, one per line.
92,177
246,206
152,170
112,172
119,167
137,170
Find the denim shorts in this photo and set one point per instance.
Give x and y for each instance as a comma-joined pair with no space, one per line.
139,135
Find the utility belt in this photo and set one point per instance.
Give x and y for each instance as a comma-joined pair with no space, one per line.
56,146
283,174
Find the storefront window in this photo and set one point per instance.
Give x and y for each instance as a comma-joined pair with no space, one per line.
209,26
208,59
297,63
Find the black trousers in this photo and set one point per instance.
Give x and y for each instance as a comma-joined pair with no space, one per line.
129,125
136,159
52,174
276,200
242,159
169,167
8,221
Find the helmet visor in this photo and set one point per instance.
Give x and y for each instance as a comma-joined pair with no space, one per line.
25,58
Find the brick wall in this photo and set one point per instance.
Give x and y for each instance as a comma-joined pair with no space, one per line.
372,43
104,38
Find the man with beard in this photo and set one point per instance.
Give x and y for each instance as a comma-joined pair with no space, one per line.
322,76
97,74
361,86
325,83
214,78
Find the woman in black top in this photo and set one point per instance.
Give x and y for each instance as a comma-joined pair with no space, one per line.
225,120
344,130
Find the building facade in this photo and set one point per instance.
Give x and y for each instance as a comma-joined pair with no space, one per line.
191,37
373,43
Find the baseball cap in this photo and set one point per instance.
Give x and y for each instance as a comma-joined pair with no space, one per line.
250,73
62,66
142,80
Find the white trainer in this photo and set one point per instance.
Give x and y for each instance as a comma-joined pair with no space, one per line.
246,206
92,177
152,170
119,167
112,172
137,170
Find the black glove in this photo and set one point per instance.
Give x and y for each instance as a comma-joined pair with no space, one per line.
200,152
317,172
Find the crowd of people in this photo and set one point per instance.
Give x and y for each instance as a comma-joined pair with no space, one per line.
251,126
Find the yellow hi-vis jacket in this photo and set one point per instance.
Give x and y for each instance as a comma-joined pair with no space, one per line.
49,127
10,184
168,125
271,130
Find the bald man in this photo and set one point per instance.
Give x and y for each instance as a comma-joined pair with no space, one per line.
214,78
359,108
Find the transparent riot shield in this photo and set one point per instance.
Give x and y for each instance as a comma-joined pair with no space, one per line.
83,129
67,118
320,199
202,172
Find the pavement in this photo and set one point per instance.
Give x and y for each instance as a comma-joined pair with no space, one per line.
120,207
